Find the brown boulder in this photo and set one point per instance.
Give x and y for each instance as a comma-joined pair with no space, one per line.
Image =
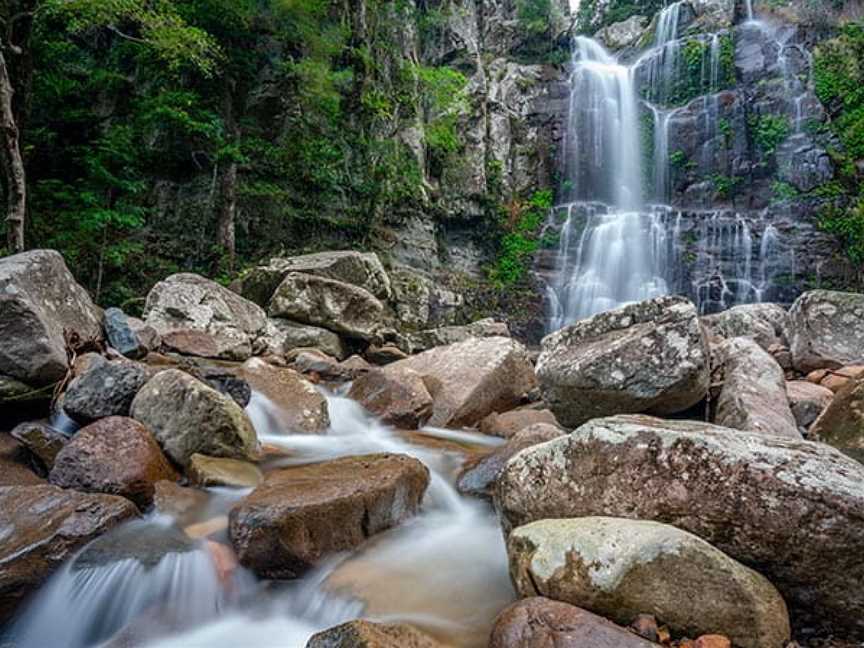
219,471
841,424
115,456
298,515
807,401
365,634
300,407
398,398
508,424
834,379
16,464
43,442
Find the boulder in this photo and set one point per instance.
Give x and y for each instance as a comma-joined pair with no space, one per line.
807,401
539,622
319,366
43,526
17,465
765,324
42,441
419,302
508,424
620,568
792,510
384,354
182,503
834,379
337,306
219,471
827,329
647,357
625,33
753,395
366,634
39,300
197,316
299,515
469,380
14,393
104,389
129,335
300,407
115,456
841,424
282,336
187,416
430,338
398,398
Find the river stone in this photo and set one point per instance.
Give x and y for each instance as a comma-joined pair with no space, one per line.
187,416
14,393
41,527
115,456
539,622
43,442
753,396
199,317
841,424
398,398
300,407
620,568
299,515
646,357
337,306
827,329
766,324
793,510
283,336
509,424
807,401
219,471
103,389
39,299
430,338
365,634
18,467
130,336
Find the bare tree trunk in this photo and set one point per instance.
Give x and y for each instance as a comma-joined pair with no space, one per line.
16,178
227,207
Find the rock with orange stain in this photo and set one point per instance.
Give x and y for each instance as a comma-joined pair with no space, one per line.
224,560
712,641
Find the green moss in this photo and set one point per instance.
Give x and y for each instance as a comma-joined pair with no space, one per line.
521,238
769,131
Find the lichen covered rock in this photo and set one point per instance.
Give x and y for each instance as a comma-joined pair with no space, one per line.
827,329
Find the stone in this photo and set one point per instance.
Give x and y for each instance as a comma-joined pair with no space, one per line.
283,336
17,465
539,622
766,324
15,393
199,317
625,33
645,625
841,424
130,336
398,398
419,302
299,515
618,568
182,503
299,406
42,526
646,357
789,509
827,329
385,354
39,300
428,339
219,471
114,456
225,383
807,401
41,440
834,379
320,366
104,389
340,307
366,634
187,416
713,641
508,424
753,395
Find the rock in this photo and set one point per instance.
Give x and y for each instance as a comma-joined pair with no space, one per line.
199,317
180,502
469,380
299,515
713,641
129,335
646,357
428,339
765,324
398,398
42,526
618,568
508,424
834,379
827,329
841,424
365,634
43,442
807,401
300,407
623,34
753,396
115,456
225,383
187,416
478,476
384,355
789,509
219,471
340,307
39,299
359,269
645,625
104,389
17,465
539,622
419,302
14,393
320,366
283,336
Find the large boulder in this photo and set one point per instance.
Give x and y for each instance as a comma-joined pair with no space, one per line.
187,416
647,357
509,424
621,568
792,510
419,302
42,441
41,527
283,336
841,424
807,401
199,317
129,335
365,634
299,515
827,329
429,338
467,380
539,622
753,395
334,305
103,389
765,324
39,300
398,398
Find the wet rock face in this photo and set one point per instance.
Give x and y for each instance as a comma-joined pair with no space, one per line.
539,622
39,299
645,357
619,568
827,329
841,424
42,526
115,456
299,515
365,634
713,482
104,389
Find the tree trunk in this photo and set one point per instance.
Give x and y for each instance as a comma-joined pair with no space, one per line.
227,207
16,179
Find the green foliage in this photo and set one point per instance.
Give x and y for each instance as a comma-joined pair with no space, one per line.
783,190
678,159
537,16
769,131
838,69
725,186
520,239
690,79
588,22
847,224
